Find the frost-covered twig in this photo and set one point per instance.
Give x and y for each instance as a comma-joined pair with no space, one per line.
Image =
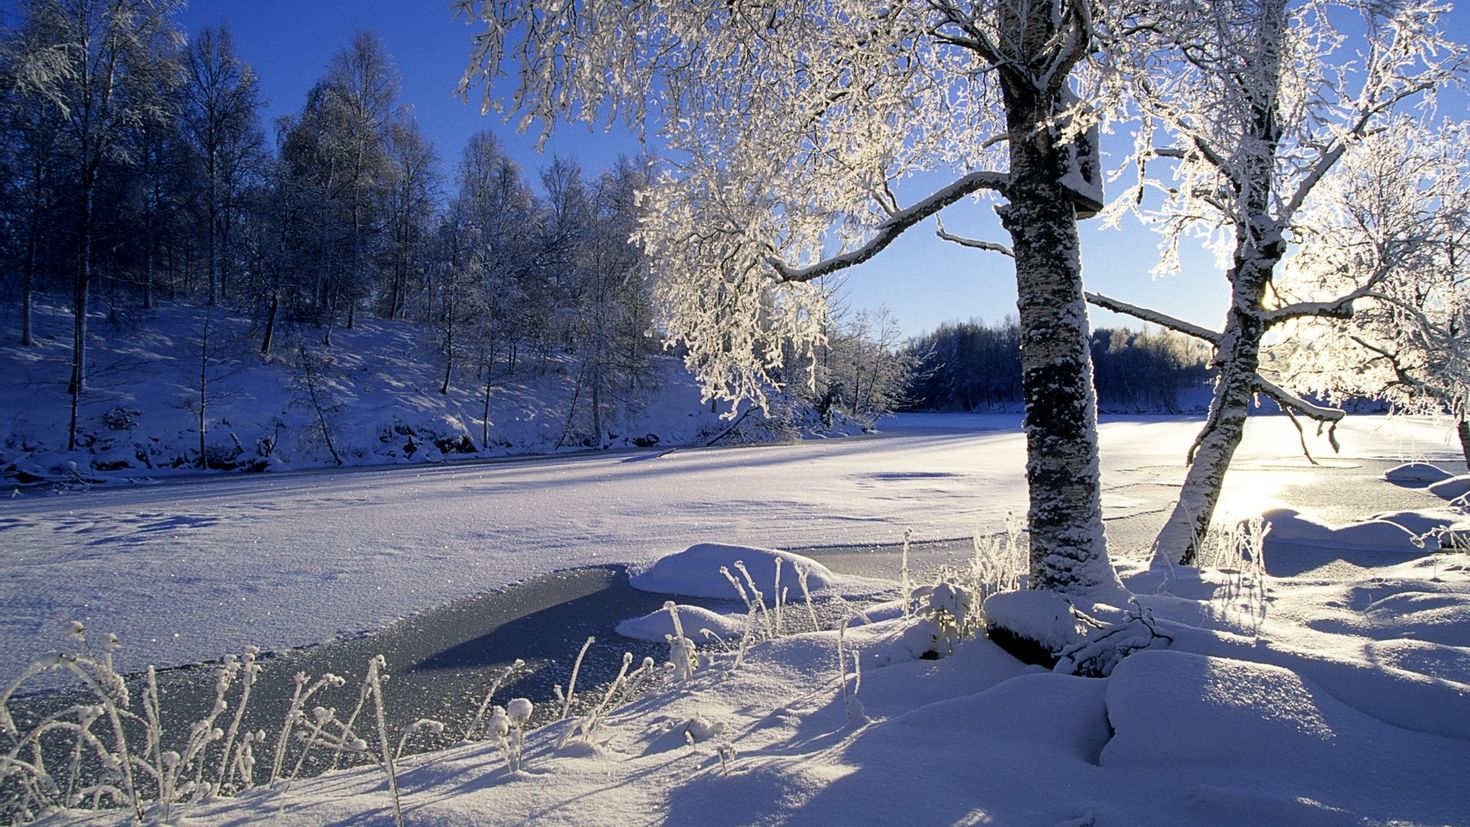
485,702
566,701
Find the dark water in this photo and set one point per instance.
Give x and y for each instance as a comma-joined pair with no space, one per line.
439,665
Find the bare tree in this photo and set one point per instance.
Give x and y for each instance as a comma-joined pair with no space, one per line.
221,99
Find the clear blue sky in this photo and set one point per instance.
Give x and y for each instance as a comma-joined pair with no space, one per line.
924,281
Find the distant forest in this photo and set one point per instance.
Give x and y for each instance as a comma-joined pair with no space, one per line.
974,366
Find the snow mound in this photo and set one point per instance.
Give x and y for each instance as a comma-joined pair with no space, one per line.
1409,532
1041,616
699,624
1453,489
1416,474
1267,729
695,572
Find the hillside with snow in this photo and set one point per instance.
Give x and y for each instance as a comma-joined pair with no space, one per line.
371,398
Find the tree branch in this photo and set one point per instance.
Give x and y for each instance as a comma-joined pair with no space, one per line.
894,227
975,243
1153,317
1293,404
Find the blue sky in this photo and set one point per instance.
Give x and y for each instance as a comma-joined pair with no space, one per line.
924,281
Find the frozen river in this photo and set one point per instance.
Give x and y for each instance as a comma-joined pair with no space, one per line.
189,570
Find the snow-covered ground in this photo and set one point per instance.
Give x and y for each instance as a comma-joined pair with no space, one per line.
1345,702
187,571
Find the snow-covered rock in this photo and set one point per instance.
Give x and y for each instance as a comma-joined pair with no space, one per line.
695,572
698,622
1416,474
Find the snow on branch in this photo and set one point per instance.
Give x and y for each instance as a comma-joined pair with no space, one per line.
975,243
1290,401
1154,317
892,228
1293,404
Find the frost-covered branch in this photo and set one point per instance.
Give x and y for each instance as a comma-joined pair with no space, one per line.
1338,308
1153,317
1290,401
973,243
894,227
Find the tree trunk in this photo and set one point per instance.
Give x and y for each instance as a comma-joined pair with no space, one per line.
485,419
79,308
1463,429
27,288
1236,361
1068,545
1259,246
203,384
448,351
270,323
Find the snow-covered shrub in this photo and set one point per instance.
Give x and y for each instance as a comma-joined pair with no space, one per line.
473,729
121,419
624,686
508,725
952,606
1097,655
118,757
566,697
998,563
1238,552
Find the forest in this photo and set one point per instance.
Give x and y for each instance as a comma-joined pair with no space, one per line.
148,176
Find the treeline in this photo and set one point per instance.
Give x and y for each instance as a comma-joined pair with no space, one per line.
970,366
136,168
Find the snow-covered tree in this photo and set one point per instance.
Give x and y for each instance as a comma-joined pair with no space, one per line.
790,125
339,145
1399,206
107,66
1248,105
219,119
410,213
860,368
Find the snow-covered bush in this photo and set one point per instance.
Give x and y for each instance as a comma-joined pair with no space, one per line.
953,608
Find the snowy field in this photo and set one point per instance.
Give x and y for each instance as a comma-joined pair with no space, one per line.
187,571
1339,697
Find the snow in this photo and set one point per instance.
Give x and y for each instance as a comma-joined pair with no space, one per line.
380,383
699,624
1174,736
1342,698
1416,474
697,572
1453,489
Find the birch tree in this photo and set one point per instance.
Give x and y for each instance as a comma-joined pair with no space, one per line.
1248,105
790,126
1400,205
